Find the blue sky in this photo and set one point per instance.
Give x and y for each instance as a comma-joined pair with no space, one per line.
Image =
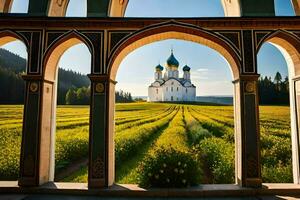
210,71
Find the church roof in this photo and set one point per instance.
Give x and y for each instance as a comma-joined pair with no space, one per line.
172,60
186,68
159,67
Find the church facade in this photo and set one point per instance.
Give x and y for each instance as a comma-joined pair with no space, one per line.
168,86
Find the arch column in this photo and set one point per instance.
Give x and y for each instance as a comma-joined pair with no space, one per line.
295,124
35,167
248,169
101,139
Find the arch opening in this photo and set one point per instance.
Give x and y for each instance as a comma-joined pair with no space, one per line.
285,88
164,33
67,8
220,8
285,8
65,99
133,76
13,64
183,34
19,6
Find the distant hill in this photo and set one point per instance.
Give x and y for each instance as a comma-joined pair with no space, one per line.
12,85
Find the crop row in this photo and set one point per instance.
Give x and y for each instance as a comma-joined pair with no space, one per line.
141,116
126,126
128,141
216,153
170,162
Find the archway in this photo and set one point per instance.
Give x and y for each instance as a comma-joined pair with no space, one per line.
13,59
231,8
135,75
49,98
5,6
173,31
14,6
63,8
286,8
57,8
289,45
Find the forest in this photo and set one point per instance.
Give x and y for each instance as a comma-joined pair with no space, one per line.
73,87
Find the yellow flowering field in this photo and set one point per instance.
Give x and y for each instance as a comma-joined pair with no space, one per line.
199,134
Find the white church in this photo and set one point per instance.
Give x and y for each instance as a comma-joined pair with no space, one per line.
168,86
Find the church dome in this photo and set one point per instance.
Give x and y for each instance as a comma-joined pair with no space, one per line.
186,68
172,61
159,67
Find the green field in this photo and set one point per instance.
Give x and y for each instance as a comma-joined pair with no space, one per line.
150,138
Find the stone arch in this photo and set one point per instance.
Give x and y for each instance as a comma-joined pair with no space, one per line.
48,99
5,6
57,8
174,30
7,36
289,45
117,8
169,30
296,5
231,8
58,47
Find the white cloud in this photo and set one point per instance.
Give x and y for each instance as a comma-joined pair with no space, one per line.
202,70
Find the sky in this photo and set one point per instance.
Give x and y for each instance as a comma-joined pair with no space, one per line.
210,72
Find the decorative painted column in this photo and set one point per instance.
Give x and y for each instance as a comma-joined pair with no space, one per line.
294,85
101,141
248,167
35,150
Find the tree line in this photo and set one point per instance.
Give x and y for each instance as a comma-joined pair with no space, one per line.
273,92
81,96
73,87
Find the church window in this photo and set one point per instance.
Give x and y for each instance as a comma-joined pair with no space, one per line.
172,83
156,91
171,98
185,90
171,89
177,88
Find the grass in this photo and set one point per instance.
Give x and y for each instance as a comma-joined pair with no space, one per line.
140,125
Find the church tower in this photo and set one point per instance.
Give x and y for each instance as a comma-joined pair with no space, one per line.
172,67
158,72
186,73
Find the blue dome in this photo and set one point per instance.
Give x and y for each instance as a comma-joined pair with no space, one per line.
172,61
186,68
159,67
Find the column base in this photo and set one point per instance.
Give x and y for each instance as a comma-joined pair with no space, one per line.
27,182
96,183
253,182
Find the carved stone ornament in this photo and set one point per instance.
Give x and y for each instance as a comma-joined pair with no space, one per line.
28,166
98,168
99,88
250,87
34,87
